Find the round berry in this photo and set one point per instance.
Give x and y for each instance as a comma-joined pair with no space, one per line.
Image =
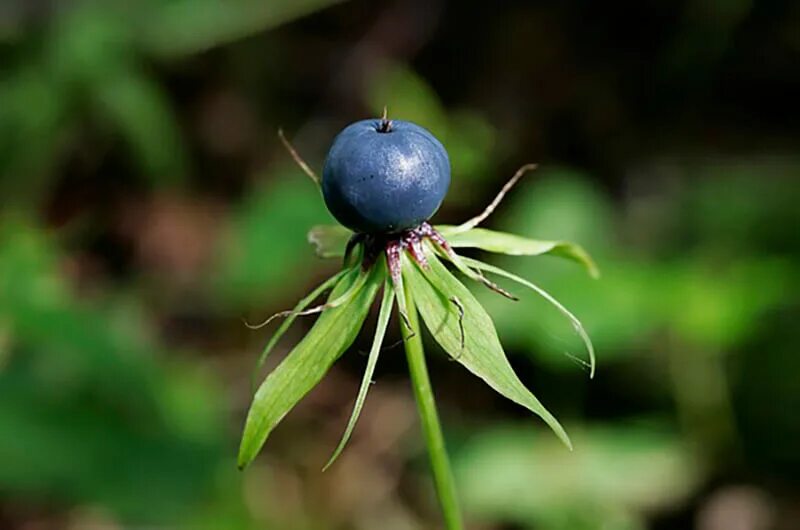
382,176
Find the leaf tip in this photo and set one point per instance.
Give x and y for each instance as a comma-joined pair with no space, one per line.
564,437
589,263
586,259
557,428
337,451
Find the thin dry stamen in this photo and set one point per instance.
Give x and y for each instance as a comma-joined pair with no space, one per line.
478,219
393,249
407,324
400,342
417,252
460,307
260,325
289,312
297,158
583,364
494,287
347,295
426,230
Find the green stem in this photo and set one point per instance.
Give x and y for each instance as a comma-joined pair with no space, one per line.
434,439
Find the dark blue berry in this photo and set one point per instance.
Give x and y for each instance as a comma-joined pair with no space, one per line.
382,176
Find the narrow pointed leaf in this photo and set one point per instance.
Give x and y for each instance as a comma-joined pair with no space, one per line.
286,324
514,245
308,362
579,329
332,303
372,361
329,241
352,291
435,291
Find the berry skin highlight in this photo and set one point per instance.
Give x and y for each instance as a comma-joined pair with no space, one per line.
385,176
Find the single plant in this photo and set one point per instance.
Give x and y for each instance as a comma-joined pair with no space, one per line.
383,180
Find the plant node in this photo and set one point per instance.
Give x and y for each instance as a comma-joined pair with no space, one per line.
392,245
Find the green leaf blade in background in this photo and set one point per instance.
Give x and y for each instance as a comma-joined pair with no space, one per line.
181,27
482,354
138,109
307,363
265,241
514,245
621,471
84,389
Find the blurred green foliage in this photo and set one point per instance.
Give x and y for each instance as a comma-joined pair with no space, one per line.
146,207
709,293
90,412
618,475
268,240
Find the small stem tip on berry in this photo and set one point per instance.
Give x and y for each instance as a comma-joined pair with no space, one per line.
385,126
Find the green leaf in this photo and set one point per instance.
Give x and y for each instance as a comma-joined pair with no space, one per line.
82,373
470,339
180,27
308,362
504,243
301,305
372,361
329,241
626,470
139,109
544,294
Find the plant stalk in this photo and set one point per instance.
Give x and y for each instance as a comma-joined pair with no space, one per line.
432,429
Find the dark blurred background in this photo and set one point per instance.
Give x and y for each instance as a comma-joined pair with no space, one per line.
146,207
